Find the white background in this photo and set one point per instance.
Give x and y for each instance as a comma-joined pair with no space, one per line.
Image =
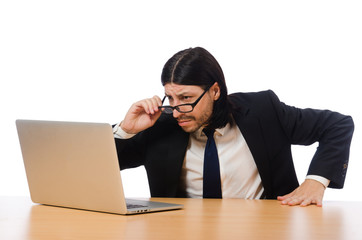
89,60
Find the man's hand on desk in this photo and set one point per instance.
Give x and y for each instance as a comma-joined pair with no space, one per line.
309,192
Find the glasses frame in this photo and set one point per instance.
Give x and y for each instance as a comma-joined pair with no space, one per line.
169,109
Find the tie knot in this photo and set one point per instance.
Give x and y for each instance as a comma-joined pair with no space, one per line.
209,132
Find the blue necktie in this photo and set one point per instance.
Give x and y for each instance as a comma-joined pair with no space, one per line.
212,183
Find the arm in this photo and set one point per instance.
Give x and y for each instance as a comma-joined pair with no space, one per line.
141,116
333,131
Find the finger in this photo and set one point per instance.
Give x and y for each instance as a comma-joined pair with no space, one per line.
281,198
294,201
158,100
317,202
153,104
148,105
306,202
284,200
291,200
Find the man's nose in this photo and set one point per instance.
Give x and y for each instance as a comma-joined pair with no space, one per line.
176,113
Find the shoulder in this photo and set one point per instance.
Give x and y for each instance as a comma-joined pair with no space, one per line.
251,96
258,100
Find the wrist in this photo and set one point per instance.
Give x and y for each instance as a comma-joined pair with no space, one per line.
324,181
119,132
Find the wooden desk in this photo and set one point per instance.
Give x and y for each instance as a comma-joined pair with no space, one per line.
200,219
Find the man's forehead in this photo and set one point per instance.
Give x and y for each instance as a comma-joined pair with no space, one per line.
178,89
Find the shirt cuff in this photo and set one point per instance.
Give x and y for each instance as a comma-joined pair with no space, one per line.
118,132
320,179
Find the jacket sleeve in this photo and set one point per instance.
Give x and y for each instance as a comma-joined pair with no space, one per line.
131,151
151,145
333,131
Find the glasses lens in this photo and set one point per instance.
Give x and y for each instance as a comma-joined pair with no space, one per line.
184,108
167,110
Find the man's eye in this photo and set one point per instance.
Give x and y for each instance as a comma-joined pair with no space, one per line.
186,98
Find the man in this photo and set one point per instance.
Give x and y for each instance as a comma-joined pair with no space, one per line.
252,133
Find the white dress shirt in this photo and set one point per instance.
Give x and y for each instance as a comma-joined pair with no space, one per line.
239,175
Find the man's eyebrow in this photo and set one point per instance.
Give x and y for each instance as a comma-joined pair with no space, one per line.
185,93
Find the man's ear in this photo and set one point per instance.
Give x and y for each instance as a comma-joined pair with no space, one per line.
215,89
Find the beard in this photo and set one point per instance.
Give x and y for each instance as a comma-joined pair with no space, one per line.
195,123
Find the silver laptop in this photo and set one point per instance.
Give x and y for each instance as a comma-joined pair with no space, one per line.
75,165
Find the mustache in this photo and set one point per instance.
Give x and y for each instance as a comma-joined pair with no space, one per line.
183,118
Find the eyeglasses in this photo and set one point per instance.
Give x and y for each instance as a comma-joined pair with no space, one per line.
182,108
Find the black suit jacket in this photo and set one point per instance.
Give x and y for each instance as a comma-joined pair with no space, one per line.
269,127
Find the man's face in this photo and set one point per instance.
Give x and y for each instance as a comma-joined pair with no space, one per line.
181,94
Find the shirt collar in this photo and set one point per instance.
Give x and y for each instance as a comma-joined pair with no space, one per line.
219,131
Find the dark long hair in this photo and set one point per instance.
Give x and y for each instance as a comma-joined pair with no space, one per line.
196,66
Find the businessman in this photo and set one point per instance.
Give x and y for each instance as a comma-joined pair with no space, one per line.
198,141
